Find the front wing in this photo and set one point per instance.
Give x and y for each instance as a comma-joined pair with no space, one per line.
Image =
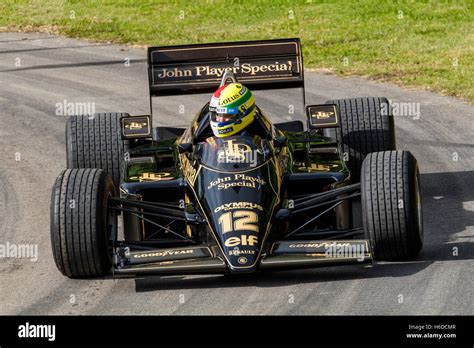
312,251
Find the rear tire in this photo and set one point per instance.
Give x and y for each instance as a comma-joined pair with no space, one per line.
366,126
96,142
81,224
391,205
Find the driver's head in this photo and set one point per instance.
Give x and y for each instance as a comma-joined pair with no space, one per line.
232,109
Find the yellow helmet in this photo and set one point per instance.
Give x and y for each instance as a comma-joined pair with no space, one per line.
232,109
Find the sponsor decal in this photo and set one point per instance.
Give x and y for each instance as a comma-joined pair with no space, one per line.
334,249
243,240
318,167
152,177
226,110
136,126
238,205
249,69
237,252
164,253
242,260
321,115
230,99
225,130
175,72
324,245
241,180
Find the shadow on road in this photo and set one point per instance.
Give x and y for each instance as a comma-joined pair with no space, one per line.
30,39
50,48
74,65
279,279
447,225
448,216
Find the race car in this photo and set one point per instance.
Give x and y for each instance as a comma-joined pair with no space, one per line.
142,200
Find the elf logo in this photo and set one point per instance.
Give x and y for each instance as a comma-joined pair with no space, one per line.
37,331
242,240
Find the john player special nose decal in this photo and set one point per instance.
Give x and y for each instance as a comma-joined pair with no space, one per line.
237,180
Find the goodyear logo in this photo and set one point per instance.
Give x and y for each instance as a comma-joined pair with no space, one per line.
163,253
317,245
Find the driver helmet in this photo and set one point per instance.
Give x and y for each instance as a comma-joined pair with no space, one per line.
232,108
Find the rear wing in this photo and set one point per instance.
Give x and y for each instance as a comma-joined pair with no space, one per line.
199,68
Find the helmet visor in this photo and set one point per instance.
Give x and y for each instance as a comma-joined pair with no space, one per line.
224,115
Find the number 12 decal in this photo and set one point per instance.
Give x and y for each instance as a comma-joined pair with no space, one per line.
239,220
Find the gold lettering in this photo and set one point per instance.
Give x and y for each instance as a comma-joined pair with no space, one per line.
242,240
199,70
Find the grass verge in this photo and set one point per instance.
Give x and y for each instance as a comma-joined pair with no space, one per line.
422,44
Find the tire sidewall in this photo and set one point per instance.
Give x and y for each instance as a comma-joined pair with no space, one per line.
414,217
70,162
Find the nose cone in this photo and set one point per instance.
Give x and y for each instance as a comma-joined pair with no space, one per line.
243,257
239,206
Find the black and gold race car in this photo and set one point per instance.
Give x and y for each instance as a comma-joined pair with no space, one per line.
329,191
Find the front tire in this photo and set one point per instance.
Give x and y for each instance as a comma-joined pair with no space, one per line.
81,224
391,205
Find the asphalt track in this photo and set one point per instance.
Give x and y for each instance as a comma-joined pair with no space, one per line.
38,71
